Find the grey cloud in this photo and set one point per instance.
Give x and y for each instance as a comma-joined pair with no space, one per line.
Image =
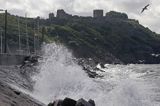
132,6
17,12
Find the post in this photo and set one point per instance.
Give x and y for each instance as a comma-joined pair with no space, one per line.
27,37
43,32
38,42
19,37
1,42
34,40
5,33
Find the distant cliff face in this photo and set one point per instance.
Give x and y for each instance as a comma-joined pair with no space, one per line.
112,39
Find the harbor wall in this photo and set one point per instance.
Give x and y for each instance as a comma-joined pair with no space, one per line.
8,59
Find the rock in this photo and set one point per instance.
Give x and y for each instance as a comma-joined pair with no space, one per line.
56,103
50,104
102,65
92,102
90,73
30,61
17,92
82,102
71,102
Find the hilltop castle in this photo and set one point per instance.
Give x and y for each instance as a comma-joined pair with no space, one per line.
98,13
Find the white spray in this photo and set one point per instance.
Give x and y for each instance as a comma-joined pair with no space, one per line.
61,77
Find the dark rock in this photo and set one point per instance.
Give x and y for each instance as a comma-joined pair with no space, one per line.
30,61
50,104
92,102
13,105
69,102
90,73
17,92
56,103
82,102
102,65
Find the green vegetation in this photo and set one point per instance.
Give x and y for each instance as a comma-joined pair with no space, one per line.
111,39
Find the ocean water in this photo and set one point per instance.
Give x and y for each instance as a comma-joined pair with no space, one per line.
58,76
122,85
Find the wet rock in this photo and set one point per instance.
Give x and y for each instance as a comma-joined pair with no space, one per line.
71,102
17,92
30,61
82,102
56,103
102,65
92,102
13,105
50,104
91,74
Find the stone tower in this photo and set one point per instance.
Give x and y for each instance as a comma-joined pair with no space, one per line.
97,13
62,14
51,16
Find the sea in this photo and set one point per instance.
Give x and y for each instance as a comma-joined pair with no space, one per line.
60,76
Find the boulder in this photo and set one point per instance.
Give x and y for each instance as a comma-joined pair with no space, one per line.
92,102
56,103
71,102
82,102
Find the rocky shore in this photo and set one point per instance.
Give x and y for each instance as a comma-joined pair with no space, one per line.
72,102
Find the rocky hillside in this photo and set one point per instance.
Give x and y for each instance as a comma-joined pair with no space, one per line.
110,39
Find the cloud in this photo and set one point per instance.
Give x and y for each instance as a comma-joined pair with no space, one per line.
41,8
131,6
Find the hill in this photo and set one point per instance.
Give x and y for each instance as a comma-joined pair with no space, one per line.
110,39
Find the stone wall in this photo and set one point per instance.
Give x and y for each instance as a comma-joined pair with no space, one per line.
51,16
8,59
97,13
62,14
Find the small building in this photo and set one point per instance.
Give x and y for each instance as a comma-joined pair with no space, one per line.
97,13
51,16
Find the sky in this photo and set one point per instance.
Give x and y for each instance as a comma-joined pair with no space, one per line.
34,8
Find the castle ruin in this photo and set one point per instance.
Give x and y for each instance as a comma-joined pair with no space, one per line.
51,16
62,14
97,13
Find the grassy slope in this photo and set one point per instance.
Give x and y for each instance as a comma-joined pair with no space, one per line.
106,39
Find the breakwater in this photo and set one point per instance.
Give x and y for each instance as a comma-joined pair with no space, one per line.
11,59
